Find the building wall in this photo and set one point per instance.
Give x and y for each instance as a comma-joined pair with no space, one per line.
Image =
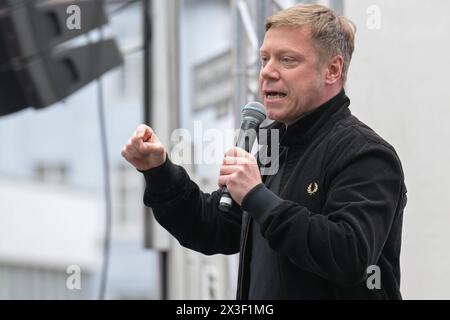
46,232
398,85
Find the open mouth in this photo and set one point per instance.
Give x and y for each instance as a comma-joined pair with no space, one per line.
274,95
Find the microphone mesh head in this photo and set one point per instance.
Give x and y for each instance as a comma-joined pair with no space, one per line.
254,110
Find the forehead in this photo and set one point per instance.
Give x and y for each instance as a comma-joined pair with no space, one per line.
288,39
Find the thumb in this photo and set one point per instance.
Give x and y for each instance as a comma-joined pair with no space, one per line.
144,132
150,148
147,135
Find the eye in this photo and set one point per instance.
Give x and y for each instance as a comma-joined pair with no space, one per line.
263,60
287,60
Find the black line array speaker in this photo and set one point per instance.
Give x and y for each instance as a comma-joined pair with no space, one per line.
37,67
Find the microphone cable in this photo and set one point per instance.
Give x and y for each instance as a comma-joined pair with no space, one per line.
107,189
106,175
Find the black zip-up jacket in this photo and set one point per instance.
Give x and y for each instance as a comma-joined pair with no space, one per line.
326,226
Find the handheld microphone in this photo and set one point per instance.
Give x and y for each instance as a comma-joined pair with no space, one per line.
253,114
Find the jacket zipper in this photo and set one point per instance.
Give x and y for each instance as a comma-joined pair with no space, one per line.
241,270
244,245
285,163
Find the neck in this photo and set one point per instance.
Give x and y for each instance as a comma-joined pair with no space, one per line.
330,94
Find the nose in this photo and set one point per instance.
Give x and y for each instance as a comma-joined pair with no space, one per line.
269,71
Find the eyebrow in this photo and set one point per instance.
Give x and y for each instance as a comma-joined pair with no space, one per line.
285,51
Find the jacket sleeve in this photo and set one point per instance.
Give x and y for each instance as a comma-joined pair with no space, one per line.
340,242
190,215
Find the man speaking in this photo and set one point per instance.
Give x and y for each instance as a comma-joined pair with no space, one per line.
334,209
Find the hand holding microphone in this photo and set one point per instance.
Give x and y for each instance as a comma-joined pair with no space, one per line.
240,172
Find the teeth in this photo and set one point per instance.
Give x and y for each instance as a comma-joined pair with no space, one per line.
275,95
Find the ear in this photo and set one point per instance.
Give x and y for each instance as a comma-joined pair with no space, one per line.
334,70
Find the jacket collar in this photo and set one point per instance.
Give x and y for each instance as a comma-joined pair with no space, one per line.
305,128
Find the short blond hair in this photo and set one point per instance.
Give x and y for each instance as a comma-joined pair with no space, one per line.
332,33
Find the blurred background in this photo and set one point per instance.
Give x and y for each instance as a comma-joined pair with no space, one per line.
77,77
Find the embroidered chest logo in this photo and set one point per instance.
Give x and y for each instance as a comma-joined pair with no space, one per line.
312,188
